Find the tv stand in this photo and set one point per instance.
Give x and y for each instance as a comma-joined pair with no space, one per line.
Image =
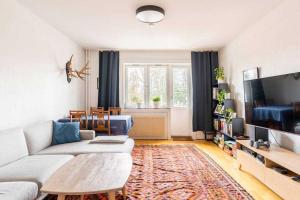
268,166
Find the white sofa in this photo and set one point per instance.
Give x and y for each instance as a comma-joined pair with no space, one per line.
18,190
27,155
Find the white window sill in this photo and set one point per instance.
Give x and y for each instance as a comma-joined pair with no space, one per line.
145,110
162,108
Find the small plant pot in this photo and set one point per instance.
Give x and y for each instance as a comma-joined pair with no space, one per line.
221,81
156,104
227,96
139,105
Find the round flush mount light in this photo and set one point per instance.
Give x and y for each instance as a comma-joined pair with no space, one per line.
150,14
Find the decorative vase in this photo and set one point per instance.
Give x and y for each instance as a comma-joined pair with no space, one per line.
139,105
156,104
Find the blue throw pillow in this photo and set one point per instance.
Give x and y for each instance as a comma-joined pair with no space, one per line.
65,132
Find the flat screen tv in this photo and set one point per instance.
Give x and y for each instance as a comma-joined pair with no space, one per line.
274,102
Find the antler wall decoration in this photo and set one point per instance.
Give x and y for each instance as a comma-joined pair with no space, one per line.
74,73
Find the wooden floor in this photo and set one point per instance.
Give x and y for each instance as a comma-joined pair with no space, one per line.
229,164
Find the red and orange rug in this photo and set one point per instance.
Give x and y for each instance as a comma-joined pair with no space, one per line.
178,172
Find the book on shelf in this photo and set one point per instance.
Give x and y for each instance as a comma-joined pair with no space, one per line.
222,125
217,124
215,92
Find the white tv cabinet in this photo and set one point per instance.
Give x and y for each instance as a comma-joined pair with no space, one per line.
282,184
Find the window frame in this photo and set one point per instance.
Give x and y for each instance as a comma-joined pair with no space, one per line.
126,83
188,71
169,81
167,84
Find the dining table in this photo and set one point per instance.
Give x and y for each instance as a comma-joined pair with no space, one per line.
119,124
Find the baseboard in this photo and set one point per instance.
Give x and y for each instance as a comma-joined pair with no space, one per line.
182,138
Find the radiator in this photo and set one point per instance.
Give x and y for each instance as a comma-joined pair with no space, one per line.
149,123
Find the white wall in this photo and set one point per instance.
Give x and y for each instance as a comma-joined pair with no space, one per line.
33,54
273,45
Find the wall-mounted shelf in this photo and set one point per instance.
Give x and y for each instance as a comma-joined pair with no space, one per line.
219,115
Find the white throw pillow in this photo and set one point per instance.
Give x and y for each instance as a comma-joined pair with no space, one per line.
12,146
119,139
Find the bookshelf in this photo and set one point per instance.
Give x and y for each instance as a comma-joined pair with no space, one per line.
224,137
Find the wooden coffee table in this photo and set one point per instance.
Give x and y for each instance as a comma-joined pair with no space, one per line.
91,174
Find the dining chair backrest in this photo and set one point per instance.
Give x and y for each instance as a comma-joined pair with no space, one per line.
98,109
114,110
79,116
100,122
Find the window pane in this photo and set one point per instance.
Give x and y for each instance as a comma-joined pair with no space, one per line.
135,85
158,84
180,87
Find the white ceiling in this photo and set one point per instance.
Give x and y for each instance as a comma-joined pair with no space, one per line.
188,24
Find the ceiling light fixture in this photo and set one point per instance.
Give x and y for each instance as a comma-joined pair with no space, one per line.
150,14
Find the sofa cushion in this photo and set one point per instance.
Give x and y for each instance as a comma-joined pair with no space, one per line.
38,136
12,146
110,139
84,147
65,132
18,190
87,134
34,168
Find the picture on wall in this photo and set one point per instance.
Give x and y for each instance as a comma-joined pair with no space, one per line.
250,74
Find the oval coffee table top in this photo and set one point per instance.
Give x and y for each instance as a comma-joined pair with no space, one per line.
90,174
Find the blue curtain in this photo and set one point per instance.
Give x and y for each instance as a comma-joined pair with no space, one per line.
203,65
108,93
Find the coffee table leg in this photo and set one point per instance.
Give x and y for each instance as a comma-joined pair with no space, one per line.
111,195
82,197
61,197
124,193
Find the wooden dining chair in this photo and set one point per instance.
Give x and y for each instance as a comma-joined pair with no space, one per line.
98,109
99,123
114,110
79,116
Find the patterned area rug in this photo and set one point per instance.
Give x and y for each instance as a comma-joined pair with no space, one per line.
177,172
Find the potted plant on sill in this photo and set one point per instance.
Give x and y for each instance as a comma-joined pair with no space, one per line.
156,101
137,100
219,73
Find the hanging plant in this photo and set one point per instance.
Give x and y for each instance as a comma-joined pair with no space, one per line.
219,73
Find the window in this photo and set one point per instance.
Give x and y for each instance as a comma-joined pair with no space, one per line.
158,84
136,81
143,82
180,87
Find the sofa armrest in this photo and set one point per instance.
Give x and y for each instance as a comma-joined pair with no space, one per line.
87,134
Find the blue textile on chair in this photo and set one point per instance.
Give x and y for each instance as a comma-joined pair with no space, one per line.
65,132
119,124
